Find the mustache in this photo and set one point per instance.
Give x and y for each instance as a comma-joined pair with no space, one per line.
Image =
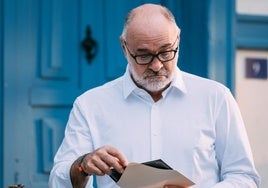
161,72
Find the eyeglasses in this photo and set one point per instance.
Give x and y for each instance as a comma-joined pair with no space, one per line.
145,59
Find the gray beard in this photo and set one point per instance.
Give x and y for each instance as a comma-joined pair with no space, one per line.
152,84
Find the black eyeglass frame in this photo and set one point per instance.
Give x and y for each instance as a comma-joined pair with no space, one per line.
153,55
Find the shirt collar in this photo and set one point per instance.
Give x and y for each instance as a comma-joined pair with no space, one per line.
130,86
178,81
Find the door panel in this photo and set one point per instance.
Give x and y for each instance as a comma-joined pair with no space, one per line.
55,82
49,70
58,39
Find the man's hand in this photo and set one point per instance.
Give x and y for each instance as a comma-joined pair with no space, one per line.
101,161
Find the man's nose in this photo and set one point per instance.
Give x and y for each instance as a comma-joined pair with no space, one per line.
156,64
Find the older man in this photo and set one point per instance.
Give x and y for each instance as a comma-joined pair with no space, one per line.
154,111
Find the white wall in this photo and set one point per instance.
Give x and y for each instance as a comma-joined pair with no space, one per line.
252,97
252,94
253,7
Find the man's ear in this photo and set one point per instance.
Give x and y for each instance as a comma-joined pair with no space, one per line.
123,46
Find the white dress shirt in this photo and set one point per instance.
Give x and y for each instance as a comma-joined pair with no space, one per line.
196,128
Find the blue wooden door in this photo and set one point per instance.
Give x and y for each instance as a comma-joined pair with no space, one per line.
45,68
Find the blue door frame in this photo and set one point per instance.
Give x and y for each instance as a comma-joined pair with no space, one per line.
221,43
252,32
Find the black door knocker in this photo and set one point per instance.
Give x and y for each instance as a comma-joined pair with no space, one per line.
89,45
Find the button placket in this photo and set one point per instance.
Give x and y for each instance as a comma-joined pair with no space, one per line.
156,146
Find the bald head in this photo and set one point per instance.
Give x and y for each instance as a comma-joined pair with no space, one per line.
148,19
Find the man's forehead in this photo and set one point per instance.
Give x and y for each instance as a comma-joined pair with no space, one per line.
150,31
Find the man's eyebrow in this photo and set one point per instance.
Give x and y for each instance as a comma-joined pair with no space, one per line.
143,50
166,45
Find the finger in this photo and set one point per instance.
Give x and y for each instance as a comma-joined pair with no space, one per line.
117,154
115,159
90,165
103,166
90,168
112,162
93,164
103,159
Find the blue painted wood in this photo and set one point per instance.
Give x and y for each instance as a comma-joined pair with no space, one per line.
57,40
50,133
252,32
221,46
41,82
193,48
49,96
9,113
1,93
